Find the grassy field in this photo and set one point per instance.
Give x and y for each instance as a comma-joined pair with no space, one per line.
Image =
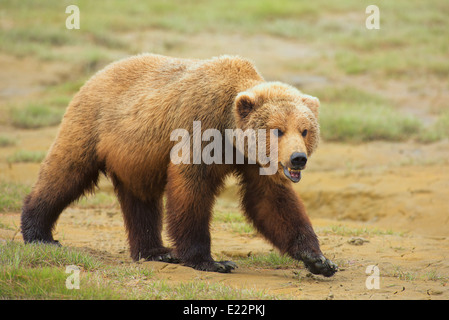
39,272
348,48
411,49
12,195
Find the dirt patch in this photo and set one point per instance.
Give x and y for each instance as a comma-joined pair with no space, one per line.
371,204
17,85
411,266
394,185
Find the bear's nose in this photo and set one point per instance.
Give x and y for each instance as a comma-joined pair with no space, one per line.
298,159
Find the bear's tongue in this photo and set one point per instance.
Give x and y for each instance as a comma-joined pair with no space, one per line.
295,174
292,174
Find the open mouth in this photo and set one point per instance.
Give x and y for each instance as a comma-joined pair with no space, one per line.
293,174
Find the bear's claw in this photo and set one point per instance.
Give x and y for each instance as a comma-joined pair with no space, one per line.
167,257
225,266
319,265
216,266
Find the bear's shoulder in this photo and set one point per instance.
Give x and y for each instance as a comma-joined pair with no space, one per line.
233,63
228,71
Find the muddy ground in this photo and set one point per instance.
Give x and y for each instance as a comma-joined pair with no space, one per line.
378,203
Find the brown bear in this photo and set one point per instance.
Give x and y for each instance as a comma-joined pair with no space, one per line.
120,123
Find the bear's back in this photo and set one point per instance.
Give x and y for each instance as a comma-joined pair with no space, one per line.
124,82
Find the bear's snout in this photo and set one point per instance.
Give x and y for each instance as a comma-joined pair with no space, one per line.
296,163
298,160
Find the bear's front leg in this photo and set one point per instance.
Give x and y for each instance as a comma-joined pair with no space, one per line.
190,198
280,216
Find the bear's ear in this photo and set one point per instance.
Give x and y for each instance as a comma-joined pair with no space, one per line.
245,103
312,103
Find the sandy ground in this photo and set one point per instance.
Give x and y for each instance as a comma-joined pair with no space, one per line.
382,204
388,210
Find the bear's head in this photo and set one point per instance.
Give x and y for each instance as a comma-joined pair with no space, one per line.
292,115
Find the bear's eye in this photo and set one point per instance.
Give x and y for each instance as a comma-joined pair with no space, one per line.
278,133
304,133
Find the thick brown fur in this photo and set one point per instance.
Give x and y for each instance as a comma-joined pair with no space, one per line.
120,122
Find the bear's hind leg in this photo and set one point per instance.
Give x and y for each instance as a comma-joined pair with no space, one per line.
60,182
143,221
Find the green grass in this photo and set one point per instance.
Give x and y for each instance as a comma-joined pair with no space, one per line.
34,116
272,260
348,114
6,141
411,43
48,111
99,199
442,124
11,196
351,115
38,271
354,232
438,131
426,275
50,283
26,156
348,95
412,39
367,122
201,290
235,222
18,255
